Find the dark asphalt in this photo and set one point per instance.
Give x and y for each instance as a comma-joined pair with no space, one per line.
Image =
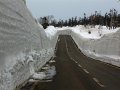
75,71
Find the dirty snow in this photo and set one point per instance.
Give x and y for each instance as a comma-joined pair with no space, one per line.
46,75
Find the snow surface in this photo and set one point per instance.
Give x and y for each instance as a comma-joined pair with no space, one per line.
96,33
24,45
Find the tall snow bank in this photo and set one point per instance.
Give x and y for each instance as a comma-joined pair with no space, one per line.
103,46
24,46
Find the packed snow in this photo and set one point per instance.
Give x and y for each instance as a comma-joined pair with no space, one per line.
25,47
48,74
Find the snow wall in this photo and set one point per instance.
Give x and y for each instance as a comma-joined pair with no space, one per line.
106,49
24,45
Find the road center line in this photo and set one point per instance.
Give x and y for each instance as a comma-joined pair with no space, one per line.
72,58
98,82
76,62
68,52
79,65
86,71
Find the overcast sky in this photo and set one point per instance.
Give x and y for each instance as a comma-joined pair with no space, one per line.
63,9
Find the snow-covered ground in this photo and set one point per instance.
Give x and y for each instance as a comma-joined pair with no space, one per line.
90,33
93,33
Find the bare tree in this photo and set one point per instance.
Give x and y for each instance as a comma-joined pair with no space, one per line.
50,18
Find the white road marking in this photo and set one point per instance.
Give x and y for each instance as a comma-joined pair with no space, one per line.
86,71
98,82
79,65
68,52
76,62
72,59
112,66
109,64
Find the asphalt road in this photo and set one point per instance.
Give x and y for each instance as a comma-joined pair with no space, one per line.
75,71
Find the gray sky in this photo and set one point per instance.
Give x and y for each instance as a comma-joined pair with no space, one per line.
63,9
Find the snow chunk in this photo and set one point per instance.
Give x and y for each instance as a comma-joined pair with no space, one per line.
40,75
52,61
48,74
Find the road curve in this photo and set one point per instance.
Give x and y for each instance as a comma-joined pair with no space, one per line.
75,71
